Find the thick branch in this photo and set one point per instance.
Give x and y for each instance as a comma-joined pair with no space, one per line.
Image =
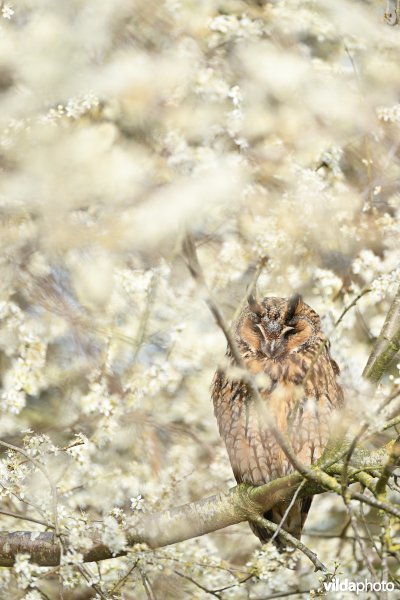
241,503
387,345
155,529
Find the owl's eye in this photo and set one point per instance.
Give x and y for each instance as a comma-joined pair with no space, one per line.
288,331
255,317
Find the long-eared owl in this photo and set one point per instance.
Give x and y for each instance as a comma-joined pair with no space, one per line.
281,342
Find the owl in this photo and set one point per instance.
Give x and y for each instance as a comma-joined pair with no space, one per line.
282,345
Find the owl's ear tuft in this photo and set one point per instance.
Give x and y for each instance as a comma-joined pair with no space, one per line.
294,304
254,305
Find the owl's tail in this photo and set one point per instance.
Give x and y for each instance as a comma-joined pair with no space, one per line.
293,523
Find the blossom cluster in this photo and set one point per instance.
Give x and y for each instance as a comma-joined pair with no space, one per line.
269,131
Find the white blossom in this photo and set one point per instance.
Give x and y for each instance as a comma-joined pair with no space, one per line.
24,570
112,535
137,503
33,595
7,11
389,113
121,128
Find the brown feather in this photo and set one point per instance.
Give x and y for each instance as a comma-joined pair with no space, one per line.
302,412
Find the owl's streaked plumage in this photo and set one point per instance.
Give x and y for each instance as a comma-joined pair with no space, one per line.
278,338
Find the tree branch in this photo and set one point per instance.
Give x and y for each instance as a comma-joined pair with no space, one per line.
387,345
241,503
273,527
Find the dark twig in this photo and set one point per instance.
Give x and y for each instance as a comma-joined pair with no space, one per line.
26,518
197,584
319,566
190,255
287,511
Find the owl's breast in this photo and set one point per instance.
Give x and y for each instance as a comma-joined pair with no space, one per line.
290,369
282,400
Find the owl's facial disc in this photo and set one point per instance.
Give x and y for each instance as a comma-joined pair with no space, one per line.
275,327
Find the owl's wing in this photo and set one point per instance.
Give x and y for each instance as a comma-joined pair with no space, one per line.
229,398
311,425
310,428
254,455
329,370
336,371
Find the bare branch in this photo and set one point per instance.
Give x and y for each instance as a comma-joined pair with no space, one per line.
190,254
319,566
241,503
387,345
44,473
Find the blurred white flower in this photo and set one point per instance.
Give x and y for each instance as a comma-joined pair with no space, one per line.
33,595
327,283
367,264
24,570
112,534
7,11
389,113
137,503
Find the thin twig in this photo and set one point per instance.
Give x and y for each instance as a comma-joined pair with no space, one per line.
228,587
190,254
83,570
121,582
197,584
146,585
23,501
25,518
145,316
322,345
287,511
319,566
358,537
364,428
44,473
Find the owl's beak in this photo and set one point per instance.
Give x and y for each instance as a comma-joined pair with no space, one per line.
273,347
270,346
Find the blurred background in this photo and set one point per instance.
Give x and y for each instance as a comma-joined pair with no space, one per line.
269,130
